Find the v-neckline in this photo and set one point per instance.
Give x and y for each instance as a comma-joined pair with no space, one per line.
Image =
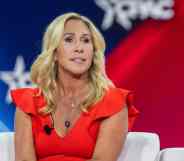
70,131
92,108
76,124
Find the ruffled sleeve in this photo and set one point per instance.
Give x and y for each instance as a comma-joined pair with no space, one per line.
114,101
23,98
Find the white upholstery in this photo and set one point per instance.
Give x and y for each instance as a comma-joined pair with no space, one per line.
171,154
7,146
140,146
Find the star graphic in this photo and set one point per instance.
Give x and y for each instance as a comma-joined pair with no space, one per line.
16,78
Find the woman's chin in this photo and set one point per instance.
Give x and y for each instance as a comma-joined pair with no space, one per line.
74,71
78,73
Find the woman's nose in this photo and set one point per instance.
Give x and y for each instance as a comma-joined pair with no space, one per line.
78,47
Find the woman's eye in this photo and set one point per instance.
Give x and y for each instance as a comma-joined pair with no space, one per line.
68,39
86,40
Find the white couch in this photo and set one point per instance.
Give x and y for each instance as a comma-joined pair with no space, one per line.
171,154
139,146
7,146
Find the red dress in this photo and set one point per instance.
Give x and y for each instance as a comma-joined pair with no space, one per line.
79,142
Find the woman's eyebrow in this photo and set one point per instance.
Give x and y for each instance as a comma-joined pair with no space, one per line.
89,35
71,34
68,33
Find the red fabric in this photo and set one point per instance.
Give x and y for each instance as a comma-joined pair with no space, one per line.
79,143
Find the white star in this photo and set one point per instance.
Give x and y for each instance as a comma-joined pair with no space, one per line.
16,78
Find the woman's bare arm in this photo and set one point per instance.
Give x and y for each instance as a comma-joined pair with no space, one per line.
112,135
24,147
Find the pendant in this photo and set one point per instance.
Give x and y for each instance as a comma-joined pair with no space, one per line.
67,124
72,105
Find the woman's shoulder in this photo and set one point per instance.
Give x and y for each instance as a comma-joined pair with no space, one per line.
113,92
116,96
31,91
113,102
25,99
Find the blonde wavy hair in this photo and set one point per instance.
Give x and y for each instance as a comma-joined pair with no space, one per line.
43,70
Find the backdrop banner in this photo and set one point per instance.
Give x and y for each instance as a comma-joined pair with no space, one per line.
145,53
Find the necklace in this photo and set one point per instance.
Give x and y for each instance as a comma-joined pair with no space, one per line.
74,107
67,124
67,121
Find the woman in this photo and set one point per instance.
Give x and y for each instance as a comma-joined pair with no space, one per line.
75,113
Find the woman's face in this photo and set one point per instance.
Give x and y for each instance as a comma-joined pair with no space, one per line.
75,52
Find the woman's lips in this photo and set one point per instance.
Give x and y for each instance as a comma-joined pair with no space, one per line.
78,60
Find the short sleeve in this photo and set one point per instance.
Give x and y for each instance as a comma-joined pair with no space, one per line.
115,100
23,98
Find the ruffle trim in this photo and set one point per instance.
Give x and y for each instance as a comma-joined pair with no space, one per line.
114,101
